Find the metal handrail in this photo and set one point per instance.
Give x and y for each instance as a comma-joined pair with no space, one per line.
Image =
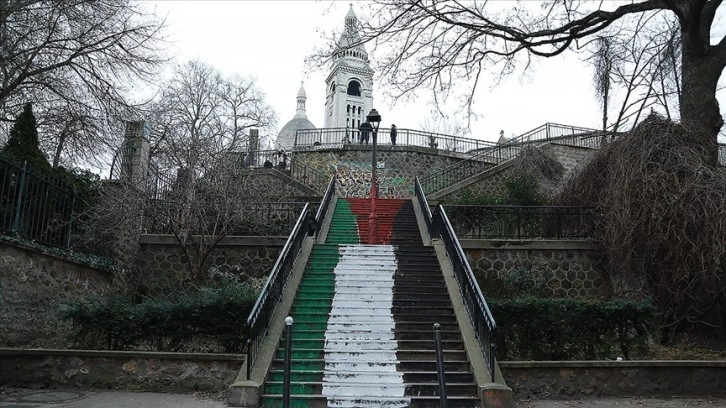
261,315
323,207
307,175
311,139
515,221
424,204
480,316
499,153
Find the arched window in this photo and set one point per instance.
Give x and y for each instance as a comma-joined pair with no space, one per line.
360,110
332,87
354,88
347,109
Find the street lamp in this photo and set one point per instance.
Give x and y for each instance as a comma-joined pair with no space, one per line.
374,118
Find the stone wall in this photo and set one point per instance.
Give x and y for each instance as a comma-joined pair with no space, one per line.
34,288
397,167
559,268
583,379
162,262
134,371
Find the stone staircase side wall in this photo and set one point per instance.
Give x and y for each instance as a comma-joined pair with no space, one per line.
33,288
565,269
162,264
397,167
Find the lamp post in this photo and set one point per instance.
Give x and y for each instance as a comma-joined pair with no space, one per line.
374,118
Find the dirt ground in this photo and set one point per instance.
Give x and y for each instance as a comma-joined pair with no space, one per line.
624,403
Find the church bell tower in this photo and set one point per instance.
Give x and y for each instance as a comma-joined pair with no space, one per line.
349,95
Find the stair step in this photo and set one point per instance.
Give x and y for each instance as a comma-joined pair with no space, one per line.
308,401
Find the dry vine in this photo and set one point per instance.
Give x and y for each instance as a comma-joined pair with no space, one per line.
662,209
540,164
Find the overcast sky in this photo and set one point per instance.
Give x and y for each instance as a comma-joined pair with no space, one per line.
270,40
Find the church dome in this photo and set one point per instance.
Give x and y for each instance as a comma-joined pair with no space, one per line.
286,137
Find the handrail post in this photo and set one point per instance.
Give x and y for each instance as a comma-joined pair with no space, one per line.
288,363
440,365
249,355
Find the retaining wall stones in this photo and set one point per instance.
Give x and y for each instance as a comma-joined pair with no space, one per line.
163,264
34,287
565,268
134,371
397,167
583,379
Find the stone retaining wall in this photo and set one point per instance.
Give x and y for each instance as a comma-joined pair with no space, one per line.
34,287
162,262
397,167
570,268
134,371
582,379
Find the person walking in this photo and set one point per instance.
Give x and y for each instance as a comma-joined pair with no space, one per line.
394,134
365,132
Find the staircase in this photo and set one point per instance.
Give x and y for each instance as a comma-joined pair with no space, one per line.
363,317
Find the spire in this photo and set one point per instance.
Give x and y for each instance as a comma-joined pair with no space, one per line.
301,97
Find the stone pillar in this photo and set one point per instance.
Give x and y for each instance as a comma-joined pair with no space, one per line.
135,156
253,147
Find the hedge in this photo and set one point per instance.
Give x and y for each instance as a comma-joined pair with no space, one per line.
565,329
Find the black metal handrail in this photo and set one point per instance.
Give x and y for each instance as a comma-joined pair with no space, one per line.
512,221
323,207
261,315
311,139
424,204
481,317
307,175
499,153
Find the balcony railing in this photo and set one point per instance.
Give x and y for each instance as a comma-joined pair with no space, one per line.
521,222
311,139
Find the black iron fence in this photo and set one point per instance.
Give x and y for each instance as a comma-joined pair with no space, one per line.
521,222
253,218
310,139
261,315
38,207
479,314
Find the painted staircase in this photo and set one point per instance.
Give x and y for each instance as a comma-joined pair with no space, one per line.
363,317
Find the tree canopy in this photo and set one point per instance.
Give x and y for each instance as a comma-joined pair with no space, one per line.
443,44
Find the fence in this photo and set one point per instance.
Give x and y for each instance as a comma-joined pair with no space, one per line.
38,207
310,139
253,218
518,222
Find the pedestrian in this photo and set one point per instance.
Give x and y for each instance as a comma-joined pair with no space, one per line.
394,134
281,159
365,132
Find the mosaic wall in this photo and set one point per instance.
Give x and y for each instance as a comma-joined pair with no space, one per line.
558,272
397,167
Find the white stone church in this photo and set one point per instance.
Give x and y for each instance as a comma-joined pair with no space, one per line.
349,95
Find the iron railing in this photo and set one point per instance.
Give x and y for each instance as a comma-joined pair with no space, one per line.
499,153
261,315
310,139
273,218
521,222
324,204
38,207
480,316
424,204
307,175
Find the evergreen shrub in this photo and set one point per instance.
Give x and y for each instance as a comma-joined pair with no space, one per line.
203,319
565,329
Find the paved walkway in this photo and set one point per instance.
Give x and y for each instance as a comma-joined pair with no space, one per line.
27,398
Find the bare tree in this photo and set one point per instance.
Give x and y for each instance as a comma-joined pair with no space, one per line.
75,60
439,44
201,119
603,60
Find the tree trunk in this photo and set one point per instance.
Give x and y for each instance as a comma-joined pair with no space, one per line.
699,106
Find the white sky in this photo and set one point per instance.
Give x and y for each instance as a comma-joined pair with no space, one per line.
270,40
